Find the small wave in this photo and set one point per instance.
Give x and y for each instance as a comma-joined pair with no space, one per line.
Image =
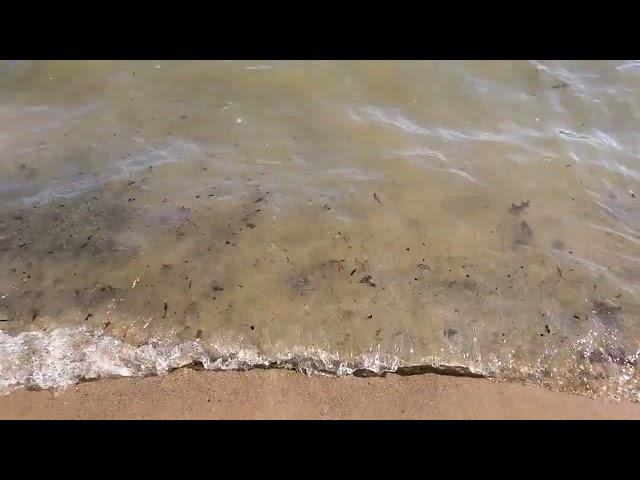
65,356
464,175
353,173
440,133
422,152
390,118
64,190
173,152
568,134
632,65
597,139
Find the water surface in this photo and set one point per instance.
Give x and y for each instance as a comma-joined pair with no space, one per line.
338,217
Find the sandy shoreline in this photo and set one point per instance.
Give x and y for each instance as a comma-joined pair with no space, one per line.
275,394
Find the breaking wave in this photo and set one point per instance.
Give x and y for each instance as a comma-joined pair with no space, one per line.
64,357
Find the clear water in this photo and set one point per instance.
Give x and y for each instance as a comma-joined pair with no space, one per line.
338,217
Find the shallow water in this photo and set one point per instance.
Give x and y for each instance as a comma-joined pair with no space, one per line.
340,217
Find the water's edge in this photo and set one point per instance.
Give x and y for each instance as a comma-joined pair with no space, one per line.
66,356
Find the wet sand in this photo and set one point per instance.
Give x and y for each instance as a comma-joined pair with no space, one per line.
275,394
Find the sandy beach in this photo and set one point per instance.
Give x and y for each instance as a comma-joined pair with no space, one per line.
275,394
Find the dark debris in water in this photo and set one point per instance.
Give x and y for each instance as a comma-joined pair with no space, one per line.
338,265
608,314
612,354
450,333
367,280
524,234
518,208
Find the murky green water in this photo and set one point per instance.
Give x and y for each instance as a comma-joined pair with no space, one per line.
333,216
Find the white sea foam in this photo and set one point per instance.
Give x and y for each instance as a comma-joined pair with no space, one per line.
65,356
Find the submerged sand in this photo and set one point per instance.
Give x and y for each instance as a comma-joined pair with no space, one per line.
480,214
277,394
